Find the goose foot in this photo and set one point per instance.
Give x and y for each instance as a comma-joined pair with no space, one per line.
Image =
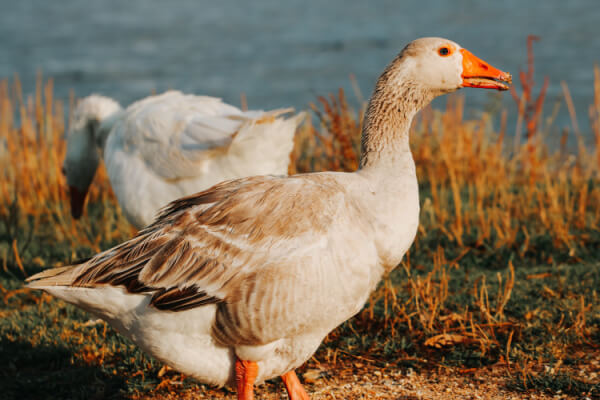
245,374
294,387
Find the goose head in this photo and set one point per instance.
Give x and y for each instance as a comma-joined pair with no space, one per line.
441,66
83,152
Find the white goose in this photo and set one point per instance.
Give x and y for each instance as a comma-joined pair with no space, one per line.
241,283
172,145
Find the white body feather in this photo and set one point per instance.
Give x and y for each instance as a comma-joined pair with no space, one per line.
171,145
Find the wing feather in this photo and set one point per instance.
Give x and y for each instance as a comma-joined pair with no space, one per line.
245,245
177,299
178,135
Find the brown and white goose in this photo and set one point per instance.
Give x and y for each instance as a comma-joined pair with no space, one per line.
241,283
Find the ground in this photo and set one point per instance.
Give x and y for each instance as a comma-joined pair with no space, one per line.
361,381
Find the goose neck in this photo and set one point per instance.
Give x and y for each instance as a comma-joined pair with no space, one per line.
385,137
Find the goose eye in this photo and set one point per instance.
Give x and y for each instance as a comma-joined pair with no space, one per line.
443,51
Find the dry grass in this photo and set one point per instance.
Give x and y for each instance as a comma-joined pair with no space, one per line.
33,198
488,281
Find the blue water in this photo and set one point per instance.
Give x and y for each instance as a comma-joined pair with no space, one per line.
284,53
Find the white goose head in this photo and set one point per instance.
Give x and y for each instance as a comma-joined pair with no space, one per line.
443,66
83,141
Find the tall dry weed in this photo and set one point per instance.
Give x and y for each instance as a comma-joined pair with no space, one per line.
34,202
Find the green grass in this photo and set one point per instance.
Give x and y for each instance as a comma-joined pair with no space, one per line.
542,313
555,383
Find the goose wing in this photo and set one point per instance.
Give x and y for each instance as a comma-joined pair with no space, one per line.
275,255
177,135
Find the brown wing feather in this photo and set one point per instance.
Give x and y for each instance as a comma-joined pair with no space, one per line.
208,248
253,247
176,299
207,197
146,263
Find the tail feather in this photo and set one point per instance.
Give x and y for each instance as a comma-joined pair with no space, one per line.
261,114
299,118
267,128
263,146
60,276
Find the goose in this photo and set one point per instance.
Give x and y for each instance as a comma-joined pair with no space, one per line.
241,282
171,145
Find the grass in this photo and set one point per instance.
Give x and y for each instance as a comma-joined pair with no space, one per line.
556,383
504,271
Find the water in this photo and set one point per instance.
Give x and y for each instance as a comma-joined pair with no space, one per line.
284,53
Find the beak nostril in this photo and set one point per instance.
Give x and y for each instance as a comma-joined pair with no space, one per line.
485,67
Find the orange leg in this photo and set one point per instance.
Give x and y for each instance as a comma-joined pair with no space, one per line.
245,374
294,387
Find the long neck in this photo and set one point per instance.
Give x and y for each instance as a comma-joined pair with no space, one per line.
385,138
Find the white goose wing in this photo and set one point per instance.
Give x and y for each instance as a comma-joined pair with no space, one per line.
279,256
177,135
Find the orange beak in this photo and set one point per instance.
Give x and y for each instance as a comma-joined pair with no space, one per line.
77,200
477,73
